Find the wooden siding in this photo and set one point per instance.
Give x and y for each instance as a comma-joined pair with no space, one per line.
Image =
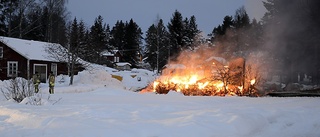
11,55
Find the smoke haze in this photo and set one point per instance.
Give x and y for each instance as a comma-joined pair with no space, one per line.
292,39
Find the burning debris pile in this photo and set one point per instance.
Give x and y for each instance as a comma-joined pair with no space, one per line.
200,74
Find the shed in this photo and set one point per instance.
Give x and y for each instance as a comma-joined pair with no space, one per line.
123,66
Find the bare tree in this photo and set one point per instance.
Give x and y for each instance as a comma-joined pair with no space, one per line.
17,89
56,19
23,6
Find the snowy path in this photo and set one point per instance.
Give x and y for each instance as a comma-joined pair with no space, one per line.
114,112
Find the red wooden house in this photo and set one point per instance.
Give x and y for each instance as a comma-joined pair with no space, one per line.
22,58
114,55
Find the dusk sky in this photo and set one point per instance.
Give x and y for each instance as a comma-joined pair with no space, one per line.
209,13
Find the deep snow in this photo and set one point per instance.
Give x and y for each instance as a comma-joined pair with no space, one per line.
99,105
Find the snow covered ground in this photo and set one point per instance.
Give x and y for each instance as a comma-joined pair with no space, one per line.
98,105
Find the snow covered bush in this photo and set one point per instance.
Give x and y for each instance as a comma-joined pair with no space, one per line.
17,89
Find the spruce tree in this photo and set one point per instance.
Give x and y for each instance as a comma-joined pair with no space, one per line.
133,39
176,34
241,18
97,40
108,38
163,45
151,46
157,45
193,32
117,36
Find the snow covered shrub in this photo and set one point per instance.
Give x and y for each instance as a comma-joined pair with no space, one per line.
39,99
17,89
33,100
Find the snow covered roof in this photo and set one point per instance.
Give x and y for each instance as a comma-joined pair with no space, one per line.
32,50
123,64
219,59
109,53
175,66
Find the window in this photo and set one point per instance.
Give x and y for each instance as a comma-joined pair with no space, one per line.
54,67
1,52
12,69
115,59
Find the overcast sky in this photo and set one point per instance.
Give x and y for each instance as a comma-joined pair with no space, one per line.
209,13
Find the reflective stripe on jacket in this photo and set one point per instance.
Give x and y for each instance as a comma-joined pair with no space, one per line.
51,80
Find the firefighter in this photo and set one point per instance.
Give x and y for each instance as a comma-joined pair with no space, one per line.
36,81
51,82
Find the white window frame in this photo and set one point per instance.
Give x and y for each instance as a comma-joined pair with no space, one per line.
11,71
54,68
1,52
115,59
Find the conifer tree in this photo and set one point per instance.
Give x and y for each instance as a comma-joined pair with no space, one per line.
151,46
241,18
133,39
108,38
157,42
176,34
97,40
163,42
117,36
192,32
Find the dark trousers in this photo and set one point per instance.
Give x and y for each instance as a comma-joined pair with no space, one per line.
51,91
36,88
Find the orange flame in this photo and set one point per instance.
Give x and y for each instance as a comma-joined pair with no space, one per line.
200,73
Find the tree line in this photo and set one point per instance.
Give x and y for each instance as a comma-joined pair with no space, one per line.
288,35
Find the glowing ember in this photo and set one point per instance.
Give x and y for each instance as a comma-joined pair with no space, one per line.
202,85
155,84
252,81
240,88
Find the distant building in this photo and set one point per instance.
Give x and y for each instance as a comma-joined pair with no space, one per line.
113,55
123,66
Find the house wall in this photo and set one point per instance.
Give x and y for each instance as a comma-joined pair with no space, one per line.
11,55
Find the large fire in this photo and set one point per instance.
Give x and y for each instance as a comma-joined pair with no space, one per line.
195,74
